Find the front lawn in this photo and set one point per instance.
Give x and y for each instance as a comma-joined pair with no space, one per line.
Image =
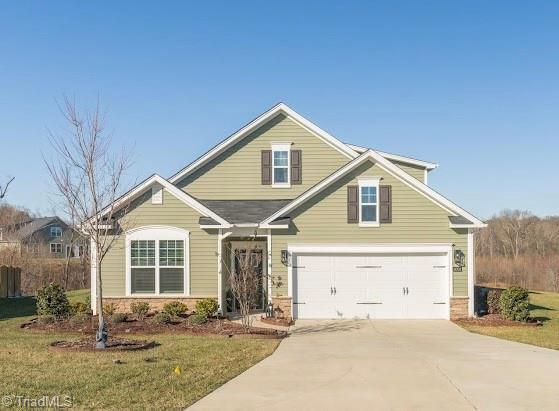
544,306
145,380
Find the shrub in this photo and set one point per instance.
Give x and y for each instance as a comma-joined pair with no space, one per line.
197,319
46,319
78,308
162,318
52,300
140,308
206,307
118,318
109,309
88,301
80,317
493,301
175,308
514,303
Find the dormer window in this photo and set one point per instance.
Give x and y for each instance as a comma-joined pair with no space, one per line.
280,164
56,231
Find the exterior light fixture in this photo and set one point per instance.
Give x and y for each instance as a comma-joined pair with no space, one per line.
284,257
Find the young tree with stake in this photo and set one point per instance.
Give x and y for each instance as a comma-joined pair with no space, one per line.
88,175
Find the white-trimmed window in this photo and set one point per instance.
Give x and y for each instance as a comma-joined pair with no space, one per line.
280,164
55,231
368,201
157,261
55,248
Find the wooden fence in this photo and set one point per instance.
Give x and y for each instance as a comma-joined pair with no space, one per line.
10,281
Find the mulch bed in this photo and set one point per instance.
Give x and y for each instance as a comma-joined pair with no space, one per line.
282,322
496,320
113,344
214,326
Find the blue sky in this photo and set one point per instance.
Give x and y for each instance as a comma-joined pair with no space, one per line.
470,85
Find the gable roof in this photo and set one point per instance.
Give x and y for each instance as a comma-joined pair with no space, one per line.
28,228
394,170
244,131
178,193
396,157
244,211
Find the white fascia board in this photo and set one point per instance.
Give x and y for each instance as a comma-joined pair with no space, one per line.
274,227
467,225
396,157
391,168
175,191
369,248
253,125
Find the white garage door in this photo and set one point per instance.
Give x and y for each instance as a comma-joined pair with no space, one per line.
371,286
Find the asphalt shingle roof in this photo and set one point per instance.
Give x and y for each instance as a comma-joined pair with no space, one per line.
244,211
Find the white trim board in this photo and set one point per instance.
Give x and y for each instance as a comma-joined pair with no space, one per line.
396,157
392,169
278,109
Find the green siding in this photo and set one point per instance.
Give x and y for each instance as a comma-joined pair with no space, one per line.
414,171
235,174
173,212
323,219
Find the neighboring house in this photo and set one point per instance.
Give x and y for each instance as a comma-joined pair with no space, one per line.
346,231
43,237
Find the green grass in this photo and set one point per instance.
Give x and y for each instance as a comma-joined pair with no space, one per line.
29,368
543,306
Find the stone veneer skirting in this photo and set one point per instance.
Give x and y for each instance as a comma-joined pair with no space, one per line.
458,307
282,307
155,304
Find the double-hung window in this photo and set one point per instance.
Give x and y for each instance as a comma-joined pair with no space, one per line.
143,267
157,261
280,164
56,248
368,201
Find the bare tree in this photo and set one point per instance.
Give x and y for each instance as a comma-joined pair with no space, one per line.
245,280
88,176
4,188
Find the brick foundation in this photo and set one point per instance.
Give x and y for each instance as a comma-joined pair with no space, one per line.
458,307
282,307
155,304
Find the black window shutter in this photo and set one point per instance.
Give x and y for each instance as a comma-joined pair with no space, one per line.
385,202
296,167
266,172
352,204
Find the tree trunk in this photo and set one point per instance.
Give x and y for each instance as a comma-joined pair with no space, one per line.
102,335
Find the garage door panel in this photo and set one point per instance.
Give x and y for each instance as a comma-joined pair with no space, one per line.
371,286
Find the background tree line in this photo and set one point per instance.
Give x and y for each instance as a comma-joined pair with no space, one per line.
518,247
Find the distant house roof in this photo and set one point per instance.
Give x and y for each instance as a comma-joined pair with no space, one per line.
27,228
243,211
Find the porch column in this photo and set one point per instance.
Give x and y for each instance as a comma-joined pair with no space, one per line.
219,270
269,259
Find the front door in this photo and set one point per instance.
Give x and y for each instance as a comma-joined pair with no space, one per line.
239,250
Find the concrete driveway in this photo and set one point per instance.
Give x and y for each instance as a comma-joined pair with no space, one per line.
349,365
